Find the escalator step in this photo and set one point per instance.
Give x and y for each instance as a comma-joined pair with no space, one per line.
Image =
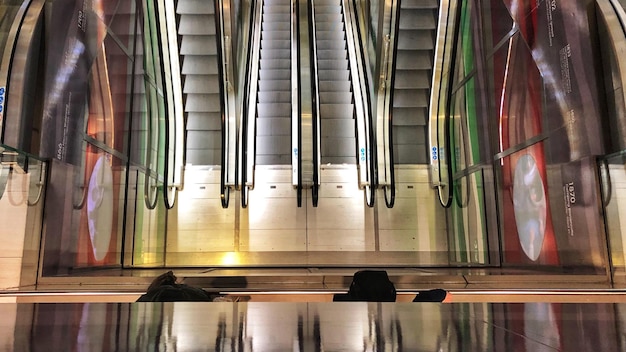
275,27
204,121
336,98
199,64
268,64
195,7
326,9
410,98
274,75
273,110
416,40
332,64
280,9
277,34
275,85
274,97
331,44
276,17
334,75
198,45
410,116
412,79
420,4
418,20
329,26
276,43
335,86
201,84
195,24
275,54
331,54
202,103
414,59
337,111
274,126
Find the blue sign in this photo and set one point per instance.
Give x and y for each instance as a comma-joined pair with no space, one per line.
2,90
434,153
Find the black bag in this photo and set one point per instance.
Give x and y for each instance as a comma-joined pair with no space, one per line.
369,286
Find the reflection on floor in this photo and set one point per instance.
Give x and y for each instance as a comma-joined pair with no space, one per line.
346,326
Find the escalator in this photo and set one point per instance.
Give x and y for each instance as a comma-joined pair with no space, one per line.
273,140
199,51
336,100
415,45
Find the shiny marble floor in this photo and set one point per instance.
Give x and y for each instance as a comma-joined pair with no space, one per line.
313,326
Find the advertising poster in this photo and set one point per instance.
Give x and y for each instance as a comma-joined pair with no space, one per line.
68,60
551,113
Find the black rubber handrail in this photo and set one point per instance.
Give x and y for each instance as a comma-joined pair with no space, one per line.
299,117
246,108
448,98
224,190
370,199
314,102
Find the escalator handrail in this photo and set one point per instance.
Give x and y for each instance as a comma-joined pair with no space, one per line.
6,61
168,201
389,114
315,106
435,108
224,190
364,101
295,10
251,75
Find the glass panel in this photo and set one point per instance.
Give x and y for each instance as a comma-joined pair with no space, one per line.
468,42
85,230
613,172
468,221
148,221
497,23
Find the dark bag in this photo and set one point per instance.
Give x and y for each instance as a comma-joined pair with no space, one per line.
369,286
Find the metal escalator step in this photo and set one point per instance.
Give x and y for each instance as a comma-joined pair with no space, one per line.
275,44
276,27
331,54
274,97
201,84
275,54
275,85
199,64
204,121
412,79
274,74
328,26
326,9
338,147
410,154
327,2
198,45
202,103
281,9
276,35
335,86
338,128
414,60
334,75
273,145
410,116
276,17
268,64
331,44
336,98
416,40
273,159
337,111
204,139
332,64
410,98
420,4
195,24
195,7
277,2
417,20
330,35
273,110
274,126
203,156
328,17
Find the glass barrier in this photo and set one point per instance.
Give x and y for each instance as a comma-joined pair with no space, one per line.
613,183
22,187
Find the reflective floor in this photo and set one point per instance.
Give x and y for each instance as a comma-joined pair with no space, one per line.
345,326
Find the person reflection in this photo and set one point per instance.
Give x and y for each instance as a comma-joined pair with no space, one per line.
164,288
